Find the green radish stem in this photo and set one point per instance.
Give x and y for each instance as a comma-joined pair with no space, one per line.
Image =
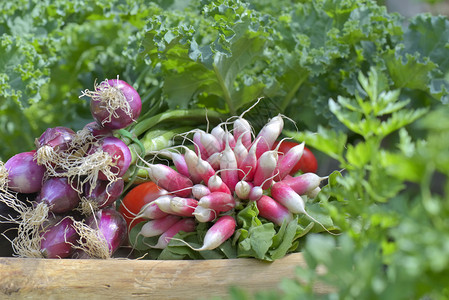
181,115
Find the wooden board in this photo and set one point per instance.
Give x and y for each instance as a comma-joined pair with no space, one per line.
150,279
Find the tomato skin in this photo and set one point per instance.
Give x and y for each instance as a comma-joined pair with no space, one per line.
306,164
136,198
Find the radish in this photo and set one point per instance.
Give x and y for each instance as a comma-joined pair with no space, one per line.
222,230
240,151
286,196
304,183
314,193
249,163
218,201
216,184
203,214
242,130
255,193
273,210
186,225
219,133
183,206
163,202
229,138
229,168
243,189
179,161
289,161
268,134
24,174
169,179
199,147
114,103
214,160
151,211
266,164
210,143
197,165
200,190
191,159
158,226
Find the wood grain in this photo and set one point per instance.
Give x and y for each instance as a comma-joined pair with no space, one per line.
150,279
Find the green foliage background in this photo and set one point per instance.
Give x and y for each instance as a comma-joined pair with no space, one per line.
367,89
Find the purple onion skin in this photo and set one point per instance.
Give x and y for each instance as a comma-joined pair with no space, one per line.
111,224
57,240
59,195
58,138
24,174
97,130
104,193
120,154
122,119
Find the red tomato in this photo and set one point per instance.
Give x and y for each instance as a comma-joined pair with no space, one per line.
136,198
307,163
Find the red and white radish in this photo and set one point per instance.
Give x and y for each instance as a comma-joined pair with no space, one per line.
249,163
183,206
240,151
222,230
242,130
186,225
266,165
255,193
200,190
273,211
203,214
304,183
288,161
151,211
216,184
268,134
243,189
229,168
210,143
169,179
218,201
158,226
286,196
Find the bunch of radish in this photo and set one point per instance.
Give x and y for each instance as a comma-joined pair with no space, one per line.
71,181
220,172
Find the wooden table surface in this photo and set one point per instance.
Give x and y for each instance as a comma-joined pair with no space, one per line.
151,279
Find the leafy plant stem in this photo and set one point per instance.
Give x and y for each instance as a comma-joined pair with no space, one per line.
192,114
226,94
285,102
